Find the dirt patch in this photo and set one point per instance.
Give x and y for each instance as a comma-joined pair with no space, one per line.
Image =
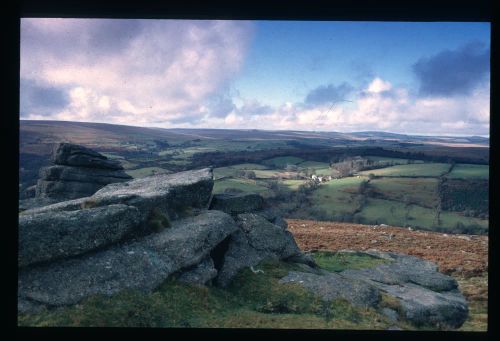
460,255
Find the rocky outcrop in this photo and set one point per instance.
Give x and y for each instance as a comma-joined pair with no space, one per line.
200,273
237,203
75,155
256,239
138,233
78,172
173,194
52,235
425,296
141,264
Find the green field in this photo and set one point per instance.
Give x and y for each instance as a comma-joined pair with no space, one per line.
293,184
421,191
412,170
396,161
241,184
468,171
337,197
267,174
379,211
249,166
313,164
223,172
282,161
147,171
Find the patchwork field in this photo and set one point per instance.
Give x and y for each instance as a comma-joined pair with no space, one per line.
401,195
338,197
467,171
412,170
393,160
282,161
421,191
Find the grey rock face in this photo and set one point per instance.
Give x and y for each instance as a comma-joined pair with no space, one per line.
52,235
65,190
237,203
426,296
422,306
200,273
391,314
405,269
53,205
257,239
331,286
273,216
143,264
171,193
30,192
75,155
79,172
34,203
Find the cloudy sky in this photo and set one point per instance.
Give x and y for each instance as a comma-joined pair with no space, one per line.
416,78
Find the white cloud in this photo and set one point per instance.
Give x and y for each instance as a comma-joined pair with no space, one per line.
384,107
165,68
379,85
178,73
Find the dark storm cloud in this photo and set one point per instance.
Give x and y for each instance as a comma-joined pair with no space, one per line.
455,72
328,93
41,99
78,37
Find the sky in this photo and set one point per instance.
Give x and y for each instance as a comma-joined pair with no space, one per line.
413,78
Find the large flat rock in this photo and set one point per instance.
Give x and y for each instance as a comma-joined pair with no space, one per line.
65,190
142,264
426,296
331,286
171,193
174,194
60,234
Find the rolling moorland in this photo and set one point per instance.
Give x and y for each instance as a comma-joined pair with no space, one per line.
430,183
432,192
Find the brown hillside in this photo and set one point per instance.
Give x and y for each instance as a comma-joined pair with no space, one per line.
463,255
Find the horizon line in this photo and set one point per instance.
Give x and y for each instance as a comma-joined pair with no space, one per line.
275,130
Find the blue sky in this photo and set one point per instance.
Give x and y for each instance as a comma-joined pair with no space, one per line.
421,78
290,58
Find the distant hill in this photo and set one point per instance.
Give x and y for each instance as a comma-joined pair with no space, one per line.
38,137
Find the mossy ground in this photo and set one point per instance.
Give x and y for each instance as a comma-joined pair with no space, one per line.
253,300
